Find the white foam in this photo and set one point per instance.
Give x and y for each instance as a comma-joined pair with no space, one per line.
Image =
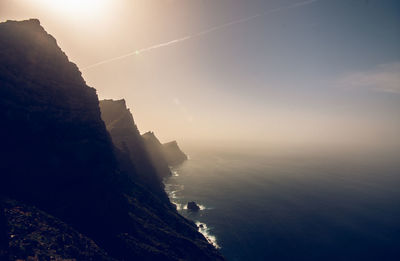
202,207
203,229
178,205
175,173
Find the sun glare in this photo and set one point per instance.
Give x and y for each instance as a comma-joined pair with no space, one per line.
87,8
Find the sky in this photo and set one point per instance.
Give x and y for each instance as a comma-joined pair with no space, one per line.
225,71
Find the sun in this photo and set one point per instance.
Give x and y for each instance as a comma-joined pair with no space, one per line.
88,8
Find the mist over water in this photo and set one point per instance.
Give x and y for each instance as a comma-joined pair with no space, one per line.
302,204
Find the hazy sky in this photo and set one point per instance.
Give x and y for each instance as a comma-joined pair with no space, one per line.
324,71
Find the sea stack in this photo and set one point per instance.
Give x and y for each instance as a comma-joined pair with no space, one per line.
192,206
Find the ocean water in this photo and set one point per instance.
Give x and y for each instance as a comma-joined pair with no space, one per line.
287,205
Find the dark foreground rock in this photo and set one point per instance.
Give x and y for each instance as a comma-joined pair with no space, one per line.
193,206
58,156
35,234
3,232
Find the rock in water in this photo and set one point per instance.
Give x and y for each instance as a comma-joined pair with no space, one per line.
193,206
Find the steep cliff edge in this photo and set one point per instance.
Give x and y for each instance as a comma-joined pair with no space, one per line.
125,135
164,155
173,154
156,152
58,156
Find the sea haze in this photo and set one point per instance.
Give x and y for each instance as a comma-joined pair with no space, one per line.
293,205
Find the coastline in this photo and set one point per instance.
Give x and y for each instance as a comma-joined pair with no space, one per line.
173,189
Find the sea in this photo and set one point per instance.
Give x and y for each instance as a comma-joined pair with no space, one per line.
293,204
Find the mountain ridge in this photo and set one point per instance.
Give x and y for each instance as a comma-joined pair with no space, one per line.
59,157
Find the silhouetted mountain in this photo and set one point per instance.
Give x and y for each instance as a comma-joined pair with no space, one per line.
156,152
125,135
58,156
173,154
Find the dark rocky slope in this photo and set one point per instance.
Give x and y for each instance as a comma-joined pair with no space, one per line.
126,137
3,232
35,234
58,156
156,152
173,154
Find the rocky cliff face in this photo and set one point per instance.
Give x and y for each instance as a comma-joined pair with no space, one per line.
173,154
58,156
35,234
156,152
3,232
126,137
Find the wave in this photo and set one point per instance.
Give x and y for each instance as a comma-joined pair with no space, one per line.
175,173
203,229
180,206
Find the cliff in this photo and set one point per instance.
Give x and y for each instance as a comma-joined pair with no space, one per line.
58,156
156,152
173,154
126,137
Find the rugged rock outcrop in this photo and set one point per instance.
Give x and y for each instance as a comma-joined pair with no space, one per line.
164,155
35,234
173,154
156,152
3,233
58,156
193,206
126,137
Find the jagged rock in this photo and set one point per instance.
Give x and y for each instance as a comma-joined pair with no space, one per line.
125,135
164,155
34,233
156,152
193,206
58,156
173,154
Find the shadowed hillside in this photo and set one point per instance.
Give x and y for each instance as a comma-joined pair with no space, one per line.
58,156
126,137
3,232
155,150
173,154
34,233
